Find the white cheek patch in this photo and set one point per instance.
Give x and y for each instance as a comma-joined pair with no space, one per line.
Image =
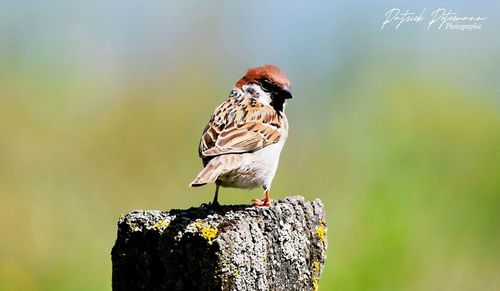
257,92
264,98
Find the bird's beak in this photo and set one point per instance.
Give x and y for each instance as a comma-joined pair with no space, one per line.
286,94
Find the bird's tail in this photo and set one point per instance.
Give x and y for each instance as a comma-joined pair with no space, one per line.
209,174
216,167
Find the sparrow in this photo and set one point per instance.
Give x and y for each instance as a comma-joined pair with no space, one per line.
241,144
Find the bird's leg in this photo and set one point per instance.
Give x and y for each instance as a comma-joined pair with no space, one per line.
215,203
263,202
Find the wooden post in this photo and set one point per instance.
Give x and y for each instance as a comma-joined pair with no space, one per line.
236,247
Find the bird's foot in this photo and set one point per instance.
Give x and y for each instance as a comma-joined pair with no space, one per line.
215,205
261,202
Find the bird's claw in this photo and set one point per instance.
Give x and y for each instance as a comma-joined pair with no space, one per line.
215,205
261,202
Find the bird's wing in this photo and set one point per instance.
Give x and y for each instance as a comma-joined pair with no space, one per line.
240,125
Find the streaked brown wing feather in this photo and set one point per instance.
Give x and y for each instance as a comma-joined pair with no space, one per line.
239,126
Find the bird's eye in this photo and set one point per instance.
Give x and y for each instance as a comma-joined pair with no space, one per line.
267,85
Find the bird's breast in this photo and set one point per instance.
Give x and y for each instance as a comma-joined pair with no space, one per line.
256,169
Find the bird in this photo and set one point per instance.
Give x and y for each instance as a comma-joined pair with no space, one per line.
241,144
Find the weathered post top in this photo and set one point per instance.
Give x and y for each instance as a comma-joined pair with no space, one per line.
236,247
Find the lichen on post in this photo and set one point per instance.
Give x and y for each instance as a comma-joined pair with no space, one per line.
235,247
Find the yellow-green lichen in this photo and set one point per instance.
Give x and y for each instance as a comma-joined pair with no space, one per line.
206,231
321,231
315,276
162,224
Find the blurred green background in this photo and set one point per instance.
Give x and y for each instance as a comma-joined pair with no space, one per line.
397,131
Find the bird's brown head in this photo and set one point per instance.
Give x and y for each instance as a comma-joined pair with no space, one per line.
270,73
272,80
